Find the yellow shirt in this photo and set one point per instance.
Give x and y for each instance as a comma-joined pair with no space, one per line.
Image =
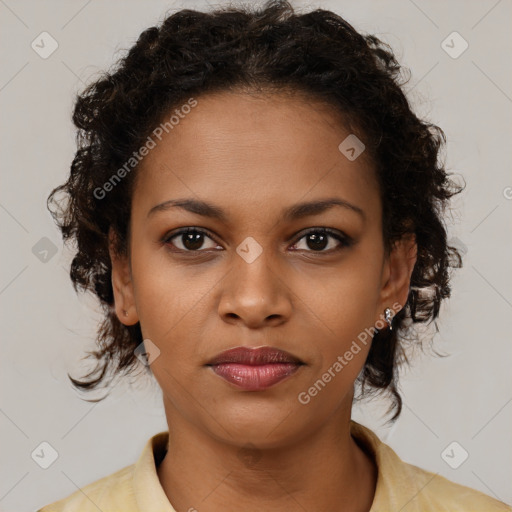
400,486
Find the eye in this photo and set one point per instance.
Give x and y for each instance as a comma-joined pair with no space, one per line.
189,240
317,239
192,239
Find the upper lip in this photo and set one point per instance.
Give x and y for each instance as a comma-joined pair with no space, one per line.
254,356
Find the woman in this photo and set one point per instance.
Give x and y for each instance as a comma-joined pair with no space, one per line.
258,211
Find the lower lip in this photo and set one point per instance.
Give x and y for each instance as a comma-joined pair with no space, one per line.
255,377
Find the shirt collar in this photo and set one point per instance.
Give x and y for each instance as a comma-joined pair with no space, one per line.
150,495
395,487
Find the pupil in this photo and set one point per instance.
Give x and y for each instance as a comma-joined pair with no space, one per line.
193,241
319,241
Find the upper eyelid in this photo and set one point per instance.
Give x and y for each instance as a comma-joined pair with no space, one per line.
181,231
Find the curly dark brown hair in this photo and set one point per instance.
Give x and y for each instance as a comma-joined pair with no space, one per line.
270,48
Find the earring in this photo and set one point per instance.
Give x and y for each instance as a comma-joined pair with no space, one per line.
125,313
389,318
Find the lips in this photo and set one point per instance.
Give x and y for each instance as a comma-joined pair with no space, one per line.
254,369
254,356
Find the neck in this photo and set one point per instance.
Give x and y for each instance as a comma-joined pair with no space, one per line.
324,471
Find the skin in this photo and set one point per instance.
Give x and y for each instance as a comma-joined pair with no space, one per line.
253,157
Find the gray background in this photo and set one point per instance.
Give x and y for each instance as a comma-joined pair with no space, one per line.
46,328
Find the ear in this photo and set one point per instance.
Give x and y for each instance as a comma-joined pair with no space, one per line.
122,284
396,274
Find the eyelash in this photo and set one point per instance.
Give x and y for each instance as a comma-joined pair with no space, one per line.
345,241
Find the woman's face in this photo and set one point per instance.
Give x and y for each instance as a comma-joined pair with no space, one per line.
255,277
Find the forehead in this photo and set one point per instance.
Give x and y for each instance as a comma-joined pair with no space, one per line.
254,149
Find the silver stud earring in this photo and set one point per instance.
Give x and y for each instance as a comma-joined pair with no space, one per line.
125,313
389,318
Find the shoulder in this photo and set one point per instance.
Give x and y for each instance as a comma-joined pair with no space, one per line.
131,489
112,492
432,492
403,486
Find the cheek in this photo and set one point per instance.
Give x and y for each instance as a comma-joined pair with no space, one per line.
161,284
344,298
341,306
343,314
170,300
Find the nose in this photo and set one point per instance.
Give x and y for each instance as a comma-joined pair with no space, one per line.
255,294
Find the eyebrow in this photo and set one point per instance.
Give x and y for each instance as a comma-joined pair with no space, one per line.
294,212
